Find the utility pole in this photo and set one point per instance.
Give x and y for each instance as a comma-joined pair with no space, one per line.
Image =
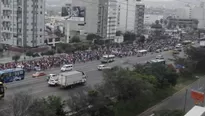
17,22
109,27
185,100
126,17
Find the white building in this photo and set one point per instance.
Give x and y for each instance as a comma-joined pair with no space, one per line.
91,18
22,22
184,12
151,18
198,12
126,15
107,18
139,18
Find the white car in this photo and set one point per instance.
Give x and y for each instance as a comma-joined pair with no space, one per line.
160,57
53,82
103,67
166,49
51,76
158,50
67,67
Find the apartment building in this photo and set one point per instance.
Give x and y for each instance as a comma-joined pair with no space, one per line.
139,17
22,22
126,15
107,18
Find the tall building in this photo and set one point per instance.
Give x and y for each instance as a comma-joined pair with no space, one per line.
126,15
198,12
91,16
22,22
107,18
184,12
139,17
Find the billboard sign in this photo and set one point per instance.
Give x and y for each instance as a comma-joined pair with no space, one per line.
73,13
197,96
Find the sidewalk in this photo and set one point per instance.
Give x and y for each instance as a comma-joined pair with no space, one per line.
9,59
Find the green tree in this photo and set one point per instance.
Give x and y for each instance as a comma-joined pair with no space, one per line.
129,36
29,53
141,39
161,21
164,75
20,104
196,55
15,58
165,22
92,36
75,39
118,33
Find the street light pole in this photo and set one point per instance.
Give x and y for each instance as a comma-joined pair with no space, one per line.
126,17
185,101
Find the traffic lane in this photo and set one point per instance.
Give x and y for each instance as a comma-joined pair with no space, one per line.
94,78
134,60
31,83
177,101
83,67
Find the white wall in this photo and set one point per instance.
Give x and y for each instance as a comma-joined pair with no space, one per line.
151,18
199,13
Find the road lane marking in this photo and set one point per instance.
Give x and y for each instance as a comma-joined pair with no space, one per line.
35,92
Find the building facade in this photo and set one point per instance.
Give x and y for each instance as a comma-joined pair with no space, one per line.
126,15
198,12
184,12
107,18
22,22
149,19
139,17
184,23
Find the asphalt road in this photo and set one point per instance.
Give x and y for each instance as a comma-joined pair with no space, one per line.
38,87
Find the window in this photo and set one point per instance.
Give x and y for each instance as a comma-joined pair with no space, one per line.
50,40
41,12
40,29
40,35
57,39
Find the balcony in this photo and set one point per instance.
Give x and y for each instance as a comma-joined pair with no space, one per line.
6,29
6,7
6,18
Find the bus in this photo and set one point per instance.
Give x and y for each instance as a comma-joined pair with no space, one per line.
10,75
108,58
161,61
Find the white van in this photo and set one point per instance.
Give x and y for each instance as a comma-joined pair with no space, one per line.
67,67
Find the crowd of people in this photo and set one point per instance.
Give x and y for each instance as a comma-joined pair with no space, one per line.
120,50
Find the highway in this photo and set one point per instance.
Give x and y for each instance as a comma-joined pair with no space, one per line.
38,87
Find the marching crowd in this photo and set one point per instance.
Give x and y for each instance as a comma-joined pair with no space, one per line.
90,55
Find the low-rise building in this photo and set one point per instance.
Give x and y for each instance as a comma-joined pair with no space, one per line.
52,39
184,23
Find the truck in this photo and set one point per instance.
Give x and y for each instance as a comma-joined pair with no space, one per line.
68,79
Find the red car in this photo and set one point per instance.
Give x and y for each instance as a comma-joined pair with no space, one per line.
38,74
